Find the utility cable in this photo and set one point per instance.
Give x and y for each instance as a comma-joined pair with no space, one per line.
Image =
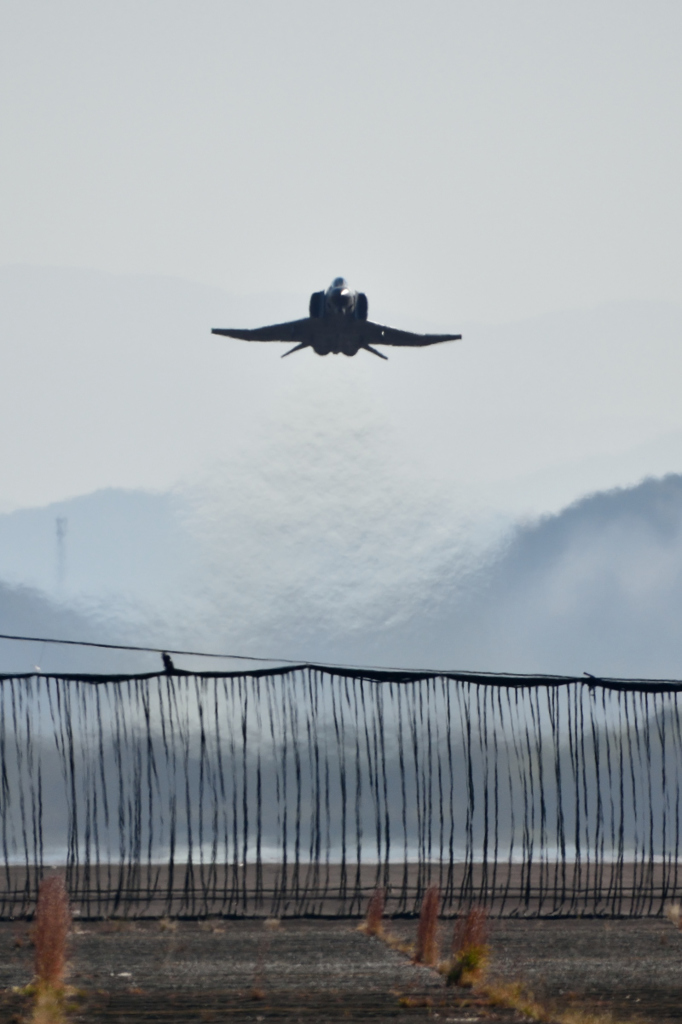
149,650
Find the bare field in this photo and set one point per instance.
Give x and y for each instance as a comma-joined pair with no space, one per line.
328,971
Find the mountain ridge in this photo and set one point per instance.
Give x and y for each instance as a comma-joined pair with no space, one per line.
596,587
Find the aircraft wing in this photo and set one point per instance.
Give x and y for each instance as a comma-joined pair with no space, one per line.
380,335
295,330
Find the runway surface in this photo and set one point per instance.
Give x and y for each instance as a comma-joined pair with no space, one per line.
328,971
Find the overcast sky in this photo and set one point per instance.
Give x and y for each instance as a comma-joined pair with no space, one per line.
508,169
478,160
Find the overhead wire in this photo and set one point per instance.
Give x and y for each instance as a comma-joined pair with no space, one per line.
409,673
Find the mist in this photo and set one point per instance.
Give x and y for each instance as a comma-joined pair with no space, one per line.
212,496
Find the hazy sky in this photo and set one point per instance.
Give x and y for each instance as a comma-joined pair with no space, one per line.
466,160
172,166
508,169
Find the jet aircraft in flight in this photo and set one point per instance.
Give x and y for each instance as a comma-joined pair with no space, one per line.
337,323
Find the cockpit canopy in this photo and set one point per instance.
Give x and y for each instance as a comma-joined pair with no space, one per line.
339,282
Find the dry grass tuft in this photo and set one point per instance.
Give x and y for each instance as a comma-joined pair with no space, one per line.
426,949
470,949
51,931
50,939
516,997
413,1002
373,923
674,913
584,1017
394,942
166,925
471,930
272,923
211,925
48,1005
118,924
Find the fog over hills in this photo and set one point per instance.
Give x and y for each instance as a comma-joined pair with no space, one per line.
596,587
169,487
27,612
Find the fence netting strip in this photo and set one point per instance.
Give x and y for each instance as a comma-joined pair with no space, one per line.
298,791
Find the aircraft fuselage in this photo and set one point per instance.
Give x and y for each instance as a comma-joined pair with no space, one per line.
337,323
340,307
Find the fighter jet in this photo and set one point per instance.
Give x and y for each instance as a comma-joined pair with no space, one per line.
337,323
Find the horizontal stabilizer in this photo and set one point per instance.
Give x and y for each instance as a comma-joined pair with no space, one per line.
370,349
296,348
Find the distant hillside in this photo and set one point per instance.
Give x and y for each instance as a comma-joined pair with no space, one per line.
347,509
596,588
113,566
112,544
25,612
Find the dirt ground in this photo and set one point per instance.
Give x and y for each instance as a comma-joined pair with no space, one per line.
632,968
307,970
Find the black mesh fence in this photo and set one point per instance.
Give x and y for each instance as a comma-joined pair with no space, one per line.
297,791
